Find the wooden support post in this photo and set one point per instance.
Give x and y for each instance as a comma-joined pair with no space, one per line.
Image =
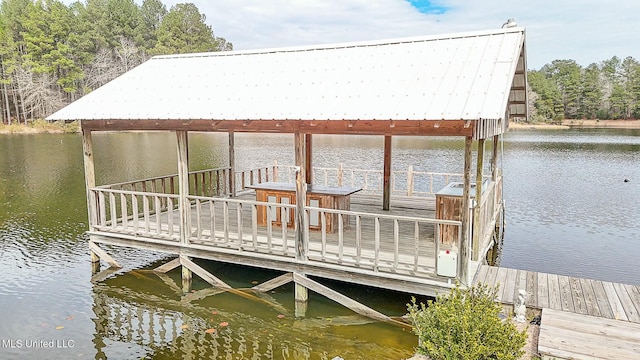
465,253
187,278
301,197
97,251
386,191
301,297
494,158
95,264
183,185
232,165
202,273
308,159
477,221
339,298
90,183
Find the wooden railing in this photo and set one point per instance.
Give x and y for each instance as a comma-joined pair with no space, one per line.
244,178
382,243
233,224
137,213
376,243
403,182
210,182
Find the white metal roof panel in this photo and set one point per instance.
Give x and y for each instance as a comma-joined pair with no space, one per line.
450,77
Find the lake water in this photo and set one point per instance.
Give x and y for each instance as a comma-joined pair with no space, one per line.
568,211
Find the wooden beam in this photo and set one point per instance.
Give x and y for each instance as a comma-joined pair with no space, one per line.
308,158
232,164
476,211
103,255
274,283
183,185
386,190
494,158
90,181
339,298
415,127
202,273
301,197
465,253
165,268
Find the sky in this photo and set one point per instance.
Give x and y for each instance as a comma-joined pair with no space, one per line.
587,31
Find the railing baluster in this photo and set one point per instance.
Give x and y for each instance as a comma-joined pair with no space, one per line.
225,210
158,215
113,210
376,245
198,222
123,210
340,237
323,220
254,225
240,225
416,239
135,212
268,209
145,205
170,215
396,242
358,240
102,216
212,216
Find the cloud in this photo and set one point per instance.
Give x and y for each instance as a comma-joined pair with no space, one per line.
583,30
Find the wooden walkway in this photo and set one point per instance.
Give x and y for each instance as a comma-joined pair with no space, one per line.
581,318
565,335
557,292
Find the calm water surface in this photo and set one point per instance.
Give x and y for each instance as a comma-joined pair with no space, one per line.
569,211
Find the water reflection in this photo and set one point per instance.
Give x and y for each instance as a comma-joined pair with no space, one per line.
149,310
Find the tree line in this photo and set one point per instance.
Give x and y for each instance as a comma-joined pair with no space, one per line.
563,89
52,54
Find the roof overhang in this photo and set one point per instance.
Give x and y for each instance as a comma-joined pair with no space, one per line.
458,84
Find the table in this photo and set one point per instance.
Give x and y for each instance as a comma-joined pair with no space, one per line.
318,196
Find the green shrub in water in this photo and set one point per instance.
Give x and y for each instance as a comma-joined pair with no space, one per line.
464,324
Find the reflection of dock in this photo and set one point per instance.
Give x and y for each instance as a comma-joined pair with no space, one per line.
188,326
581,318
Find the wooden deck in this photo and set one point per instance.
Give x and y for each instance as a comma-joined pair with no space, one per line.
581,318
565,335
557,292
394,249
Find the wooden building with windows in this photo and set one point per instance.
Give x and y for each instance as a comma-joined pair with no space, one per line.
467,85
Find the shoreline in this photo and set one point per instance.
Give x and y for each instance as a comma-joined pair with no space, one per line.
565,125
580,124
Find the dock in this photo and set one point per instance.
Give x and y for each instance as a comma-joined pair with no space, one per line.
580,318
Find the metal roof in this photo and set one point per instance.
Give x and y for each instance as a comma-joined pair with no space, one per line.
466,76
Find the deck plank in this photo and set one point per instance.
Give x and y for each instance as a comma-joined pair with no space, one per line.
532,289
577,296
555,301
602,300
521,284
501,278
614,301
627,303
589,297
543,290
509,288
565,293
573,336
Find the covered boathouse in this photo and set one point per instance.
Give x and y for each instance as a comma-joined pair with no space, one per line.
420,240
